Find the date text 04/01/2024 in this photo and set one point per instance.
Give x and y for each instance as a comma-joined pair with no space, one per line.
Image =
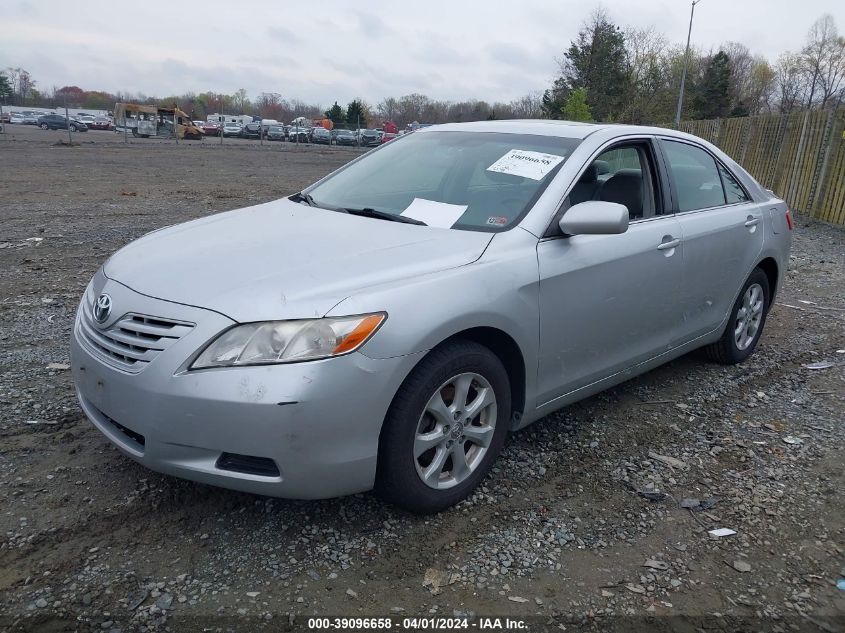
417,624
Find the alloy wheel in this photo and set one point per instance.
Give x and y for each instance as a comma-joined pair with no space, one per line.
455,430
749,317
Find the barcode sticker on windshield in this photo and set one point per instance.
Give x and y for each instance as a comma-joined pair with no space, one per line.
521,162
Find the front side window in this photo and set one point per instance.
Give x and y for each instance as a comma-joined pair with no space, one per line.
696,178
484,181
619,175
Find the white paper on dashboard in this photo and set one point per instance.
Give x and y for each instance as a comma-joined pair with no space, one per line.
521,162
434,213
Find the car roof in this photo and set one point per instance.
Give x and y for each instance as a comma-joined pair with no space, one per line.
548,127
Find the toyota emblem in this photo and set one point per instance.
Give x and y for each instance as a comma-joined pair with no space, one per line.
102,308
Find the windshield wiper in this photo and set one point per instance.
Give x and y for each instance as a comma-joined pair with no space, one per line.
301,196
367,212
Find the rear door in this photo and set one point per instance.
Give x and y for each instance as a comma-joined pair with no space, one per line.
722,232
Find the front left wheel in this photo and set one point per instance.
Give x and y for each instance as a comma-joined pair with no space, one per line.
444,429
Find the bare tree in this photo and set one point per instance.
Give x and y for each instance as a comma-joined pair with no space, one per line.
741,65
22,83
648,73
823,59
761,87
388,108
240,101
269,105
790,82
527,106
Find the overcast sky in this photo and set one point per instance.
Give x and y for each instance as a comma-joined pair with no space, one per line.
327,50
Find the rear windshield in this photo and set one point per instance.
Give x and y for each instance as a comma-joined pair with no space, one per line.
481,181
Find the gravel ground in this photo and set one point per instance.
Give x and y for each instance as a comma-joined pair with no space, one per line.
595,517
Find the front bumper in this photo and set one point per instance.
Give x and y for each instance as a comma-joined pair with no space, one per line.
319,422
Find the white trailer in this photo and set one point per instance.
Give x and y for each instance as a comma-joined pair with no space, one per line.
221,119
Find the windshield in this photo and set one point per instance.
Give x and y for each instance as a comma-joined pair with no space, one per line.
482,181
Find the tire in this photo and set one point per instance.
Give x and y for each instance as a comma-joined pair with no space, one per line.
738,343
72,128
409,426
44,126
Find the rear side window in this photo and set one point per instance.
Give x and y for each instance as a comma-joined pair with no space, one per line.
696,177
734,192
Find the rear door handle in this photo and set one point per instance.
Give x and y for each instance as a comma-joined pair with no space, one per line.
667,245
752,222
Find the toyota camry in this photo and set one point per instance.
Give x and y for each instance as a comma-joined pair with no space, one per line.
387,327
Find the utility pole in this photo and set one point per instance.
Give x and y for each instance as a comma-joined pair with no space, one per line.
67,120
686,63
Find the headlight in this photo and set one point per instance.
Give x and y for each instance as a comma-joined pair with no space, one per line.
288,341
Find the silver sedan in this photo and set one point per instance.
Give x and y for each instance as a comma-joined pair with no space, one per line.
387,327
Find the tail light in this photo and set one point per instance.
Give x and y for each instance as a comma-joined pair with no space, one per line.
789,219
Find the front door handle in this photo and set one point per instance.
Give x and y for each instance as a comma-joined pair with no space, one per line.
667,245
752,221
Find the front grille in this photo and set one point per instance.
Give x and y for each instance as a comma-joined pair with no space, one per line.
248,464
132,342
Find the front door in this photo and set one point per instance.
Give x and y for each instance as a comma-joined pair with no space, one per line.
608,302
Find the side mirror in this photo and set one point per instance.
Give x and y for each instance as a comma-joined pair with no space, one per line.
595,218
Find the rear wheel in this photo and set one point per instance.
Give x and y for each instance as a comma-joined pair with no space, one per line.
444,429
44,126
73,128
745,324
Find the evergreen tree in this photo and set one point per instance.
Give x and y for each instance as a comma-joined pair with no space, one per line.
554,99
712,97
336,114
6,90
576,108
356,114
596,61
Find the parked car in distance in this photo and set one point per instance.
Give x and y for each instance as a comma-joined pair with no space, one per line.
370,138
31,118
5,117
560,285
59,122
275,133
210,128
87,119
100,123
346,137
321,135
298,135
251,130
231,129
16,118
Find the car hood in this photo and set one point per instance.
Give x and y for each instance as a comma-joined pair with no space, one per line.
284,260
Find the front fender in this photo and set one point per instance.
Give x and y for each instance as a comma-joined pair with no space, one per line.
500,290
